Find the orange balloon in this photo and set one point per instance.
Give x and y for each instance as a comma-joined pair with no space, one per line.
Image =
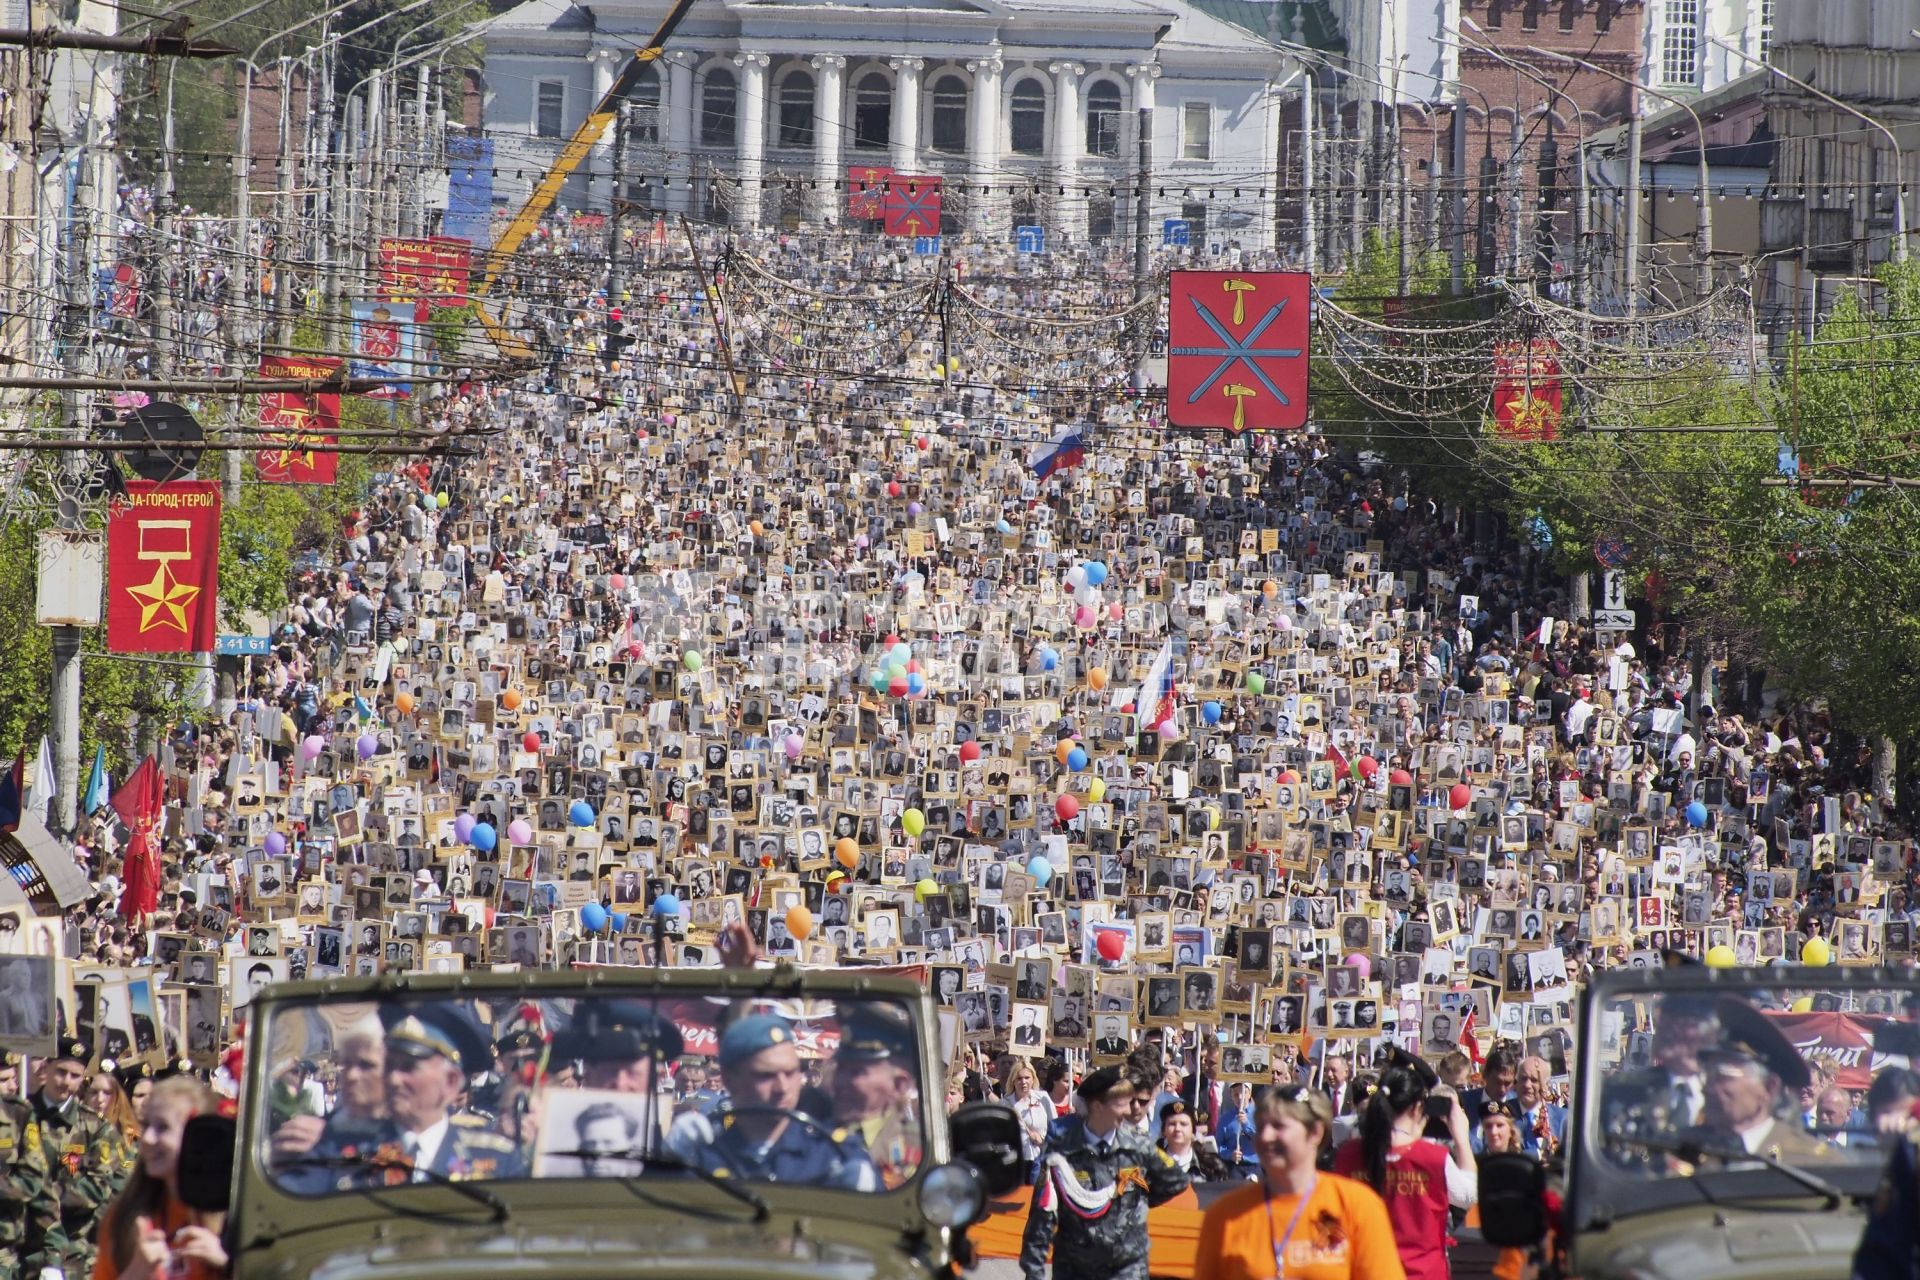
1062,749
1269,588
799,921
1097,678
510,699
403,702
848,851
759,529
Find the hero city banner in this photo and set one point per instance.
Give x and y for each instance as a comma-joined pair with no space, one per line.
299,423
163,568
430,273
1237,346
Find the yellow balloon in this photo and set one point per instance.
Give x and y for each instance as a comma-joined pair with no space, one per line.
1720,957
1803,1005
1817,952
914,821
1096,790
925,889
1213,818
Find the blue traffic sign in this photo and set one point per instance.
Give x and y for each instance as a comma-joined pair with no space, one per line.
242,646
1030,239
1175,233
926,246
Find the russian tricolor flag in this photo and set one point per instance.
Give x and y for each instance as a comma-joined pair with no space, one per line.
1065,450
1155,702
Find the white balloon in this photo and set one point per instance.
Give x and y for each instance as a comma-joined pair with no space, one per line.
1088,595
1077,577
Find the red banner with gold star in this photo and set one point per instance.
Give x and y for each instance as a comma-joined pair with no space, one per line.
163,568
299,424
1526,390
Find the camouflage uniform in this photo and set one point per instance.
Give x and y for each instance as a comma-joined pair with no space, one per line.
1108,1242
86,1161
24,1193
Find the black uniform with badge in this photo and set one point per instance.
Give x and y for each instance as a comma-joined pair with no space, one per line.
86,1159
1101,1233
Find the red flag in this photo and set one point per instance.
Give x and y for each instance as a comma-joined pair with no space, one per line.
1469,1045
163,568
1341,772
1526,389
299,422
1237,349
139,802
867,190
913,205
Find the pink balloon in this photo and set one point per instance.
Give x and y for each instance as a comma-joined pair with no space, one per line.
1169,730
1363,963
1083,617
519,831
618,581
1115,611
794,745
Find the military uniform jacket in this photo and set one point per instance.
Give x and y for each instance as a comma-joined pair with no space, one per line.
1090,1204
469,1151
892,1144
25,1192
800,1155
86,1162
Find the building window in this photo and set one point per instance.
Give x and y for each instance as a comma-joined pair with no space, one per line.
950,114
1196,131
1195,216
1570,13
872,112
719,107
1496,13
1680,44
1530,15
643,120
1103,119
796,111
1027,121
1765,35
550,109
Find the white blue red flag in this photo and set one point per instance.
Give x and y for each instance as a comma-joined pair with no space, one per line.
1065,450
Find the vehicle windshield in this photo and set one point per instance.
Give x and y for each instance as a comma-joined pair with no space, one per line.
423,1087
1695,1081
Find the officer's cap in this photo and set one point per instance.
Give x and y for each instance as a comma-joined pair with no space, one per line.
753,1035
1747,1036
876,1033
442,1028
618,1031
1098,1084
73,1049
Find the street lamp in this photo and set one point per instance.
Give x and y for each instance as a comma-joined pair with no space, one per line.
1899,161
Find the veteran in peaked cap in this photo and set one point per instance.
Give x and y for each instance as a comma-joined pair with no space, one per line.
620,1044
443,1028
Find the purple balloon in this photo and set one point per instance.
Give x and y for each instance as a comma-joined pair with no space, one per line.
794,745
463,827
914,508
276,844
312,746
369,746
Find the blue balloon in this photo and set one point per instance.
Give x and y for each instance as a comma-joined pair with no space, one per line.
916,684
1696,814
581,814
1049,658
484,837
1096,573
1002,528
593,917
1040,869
902,653
1210,712
666,904
1076,759
879,681
619,919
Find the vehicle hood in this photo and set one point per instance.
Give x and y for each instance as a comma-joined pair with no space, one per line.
1723,1243
612,1244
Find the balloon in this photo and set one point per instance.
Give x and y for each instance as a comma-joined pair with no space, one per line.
1087,595
1803,1005
1817,952
914,508
1076,760
1111,944
847,852
1067,807
878,680
440,499
1213,818
593,917
666,904
1363,963
312,746
617,581
1459,796
1720,957
580,814
531,741
897,686
794,745
1040,869
1077,576
1269,588
484,837
618,920
1366,767
925,888
1062,749
1096,791
1210,712
520,831
969,750
1083,618
403,703
757,528
691,660
1168,729
1096,572
1049,658
463,827
902,653
1002,528
1097,679
916,684
1696,814
893,489
368,746
913,822
1256,683
800,921
1116,611
276,844
1399,777
510,699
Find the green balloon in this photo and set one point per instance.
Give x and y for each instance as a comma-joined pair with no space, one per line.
1256,683
691,660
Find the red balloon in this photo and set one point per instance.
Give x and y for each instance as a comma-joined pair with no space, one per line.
969,751
1367,766
897,686
1460,796
1067,807
1289,778
893,489
1399,777
531,742
1111,944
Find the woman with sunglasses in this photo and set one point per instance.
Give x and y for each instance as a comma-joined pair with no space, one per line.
1419,1180
1296,1222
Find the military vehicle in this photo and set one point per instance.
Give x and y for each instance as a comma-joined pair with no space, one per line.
523,1123
1705,1140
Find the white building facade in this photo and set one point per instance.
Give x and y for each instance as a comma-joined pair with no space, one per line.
1678,50
1028,110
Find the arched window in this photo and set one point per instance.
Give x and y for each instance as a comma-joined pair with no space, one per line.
719,104
1028,119
644,112
950,114
796,111
1103,119
872,112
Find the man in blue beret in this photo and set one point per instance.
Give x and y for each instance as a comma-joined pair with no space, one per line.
759,1133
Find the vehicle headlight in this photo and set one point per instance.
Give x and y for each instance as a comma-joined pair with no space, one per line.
951,1195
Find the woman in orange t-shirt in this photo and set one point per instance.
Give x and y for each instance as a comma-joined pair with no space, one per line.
1296,1223
148,1232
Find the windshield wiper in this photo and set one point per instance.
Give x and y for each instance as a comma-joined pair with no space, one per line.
667,1160
473,1191
1691,1152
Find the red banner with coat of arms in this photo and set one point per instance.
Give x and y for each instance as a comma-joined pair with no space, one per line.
300,424
1526,389
913,205
867,190
1237,349
163,568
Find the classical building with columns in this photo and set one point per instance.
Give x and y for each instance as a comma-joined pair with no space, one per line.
1028,110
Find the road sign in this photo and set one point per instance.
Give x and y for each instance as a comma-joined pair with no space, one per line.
1613,591
1237,349
1030,239
926,246
1613,619
242,646
1175,233
1611,552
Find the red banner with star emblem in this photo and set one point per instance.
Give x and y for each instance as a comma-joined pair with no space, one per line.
1237,349
299,424
913,205
1526,390
163,568
867,190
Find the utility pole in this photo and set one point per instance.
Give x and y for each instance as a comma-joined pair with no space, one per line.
1457,195
283,240
616,249
1308,231
166,255
75,317
1634,131
1516,201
